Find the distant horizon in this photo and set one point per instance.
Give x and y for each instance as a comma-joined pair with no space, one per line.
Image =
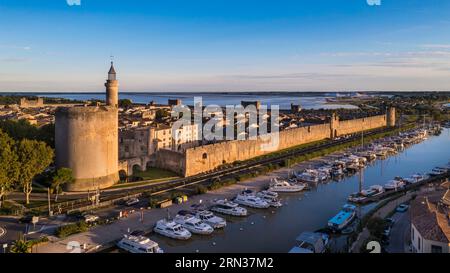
288,45
224,92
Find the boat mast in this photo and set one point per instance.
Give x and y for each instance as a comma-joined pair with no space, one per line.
361,179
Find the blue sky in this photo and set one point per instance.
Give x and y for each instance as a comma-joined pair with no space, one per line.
225,45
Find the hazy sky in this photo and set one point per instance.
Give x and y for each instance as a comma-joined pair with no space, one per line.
225,45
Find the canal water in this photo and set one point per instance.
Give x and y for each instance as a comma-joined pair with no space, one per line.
275,230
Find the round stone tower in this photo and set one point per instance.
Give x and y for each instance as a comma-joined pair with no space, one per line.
86,139
391,117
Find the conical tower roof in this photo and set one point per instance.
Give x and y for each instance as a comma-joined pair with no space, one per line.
112,70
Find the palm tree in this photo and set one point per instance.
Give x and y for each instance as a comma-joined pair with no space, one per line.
21,246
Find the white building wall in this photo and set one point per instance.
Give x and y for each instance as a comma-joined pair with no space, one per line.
421,245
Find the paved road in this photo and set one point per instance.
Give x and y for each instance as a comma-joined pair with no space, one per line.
400,233
14,230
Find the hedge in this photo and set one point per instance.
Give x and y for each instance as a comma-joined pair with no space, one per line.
64,231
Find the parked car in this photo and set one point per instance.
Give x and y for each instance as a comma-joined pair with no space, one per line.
132,201
387,231
90,218
390,221
402,208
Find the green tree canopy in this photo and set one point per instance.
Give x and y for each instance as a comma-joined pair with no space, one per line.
34,158
125,103
22,129
60,177
8,165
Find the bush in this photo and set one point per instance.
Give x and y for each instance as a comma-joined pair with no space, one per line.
200,189
176,194
219,184
376,226
70,229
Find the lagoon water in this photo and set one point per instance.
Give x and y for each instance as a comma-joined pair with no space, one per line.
310,211
284,100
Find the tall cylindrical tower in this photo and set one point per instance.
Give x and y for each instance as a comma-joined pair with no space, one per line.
112,88
391,117
86,140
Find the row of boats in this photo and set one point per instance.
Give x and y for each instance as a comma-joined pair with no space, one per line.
395,184
201,220
348,163
317,242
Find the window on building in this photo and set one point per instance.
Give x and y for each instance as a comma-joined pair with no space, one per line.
436,249
205,156
418,243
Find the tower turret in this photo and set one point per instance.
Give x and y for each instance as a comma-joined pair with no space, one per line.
112,88
334,125
391,117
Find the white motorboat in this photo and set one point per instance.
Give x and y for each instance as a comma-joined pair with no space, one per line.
415,178
193,224
394,185
138,244
356,197
321,175
284,186
364,194
311,242
209,218
229,208
272,201
337,171
353,167
307,177
438,171
267,193
171,229
373,191
205,216
251,201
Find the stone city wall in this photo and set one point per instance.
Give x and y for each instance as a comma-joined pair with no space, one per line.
205,158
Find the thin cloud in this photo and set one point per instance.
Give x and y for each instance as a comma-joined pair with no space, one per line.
286,76
436,46
14,60
26,48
